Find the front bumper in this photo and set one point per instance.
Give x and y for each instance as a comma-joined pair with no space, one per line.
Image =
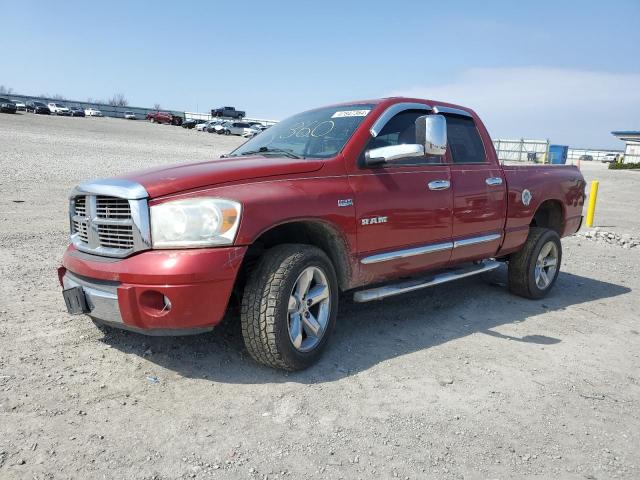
156,292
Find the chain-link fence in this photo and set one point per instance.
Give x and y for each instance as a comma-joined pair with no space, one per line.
537,151
522,150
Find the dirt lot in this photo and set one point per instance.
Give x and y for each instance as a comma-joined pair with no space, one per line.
459,381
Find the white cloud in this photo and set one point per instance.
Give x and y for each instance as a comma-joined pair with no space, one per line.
573,107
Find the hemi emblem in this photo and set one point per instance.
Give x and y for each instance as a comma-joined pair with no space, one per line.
374,220
526,197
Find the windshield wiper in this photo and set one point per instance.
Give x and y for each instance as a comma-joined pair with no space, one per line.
286,153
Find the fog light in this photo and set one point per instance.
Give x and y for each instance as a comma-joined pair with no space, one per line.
154,303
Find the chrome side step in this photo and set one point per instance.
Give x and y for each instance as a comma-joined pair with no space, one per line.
416,284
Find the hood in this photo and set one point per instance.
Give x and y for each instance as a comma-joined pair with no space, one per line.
180,178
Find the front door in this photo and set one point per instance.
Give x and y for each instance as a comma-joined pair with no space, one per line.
403,210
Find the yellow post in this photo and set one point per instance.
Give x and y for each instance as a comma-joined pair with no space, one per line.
593,195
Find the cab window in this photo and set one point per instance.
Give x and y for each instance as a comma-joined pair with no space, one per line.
465,144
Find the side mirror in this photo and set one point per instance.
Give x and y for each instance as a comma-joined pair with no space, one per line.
431,131
431,140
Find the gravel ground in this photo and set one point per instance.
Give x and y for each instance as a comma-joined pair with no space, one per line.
458,381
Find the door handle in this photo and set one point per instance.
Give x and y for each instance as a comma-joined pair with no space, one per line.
439,185
491,181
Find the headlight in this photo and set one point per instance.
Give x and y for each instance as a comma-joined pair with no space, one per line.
194,222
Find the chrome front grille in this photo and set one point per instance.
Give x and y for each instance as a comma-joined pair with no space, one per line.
112,207
108,225
80,228
81,206
116,236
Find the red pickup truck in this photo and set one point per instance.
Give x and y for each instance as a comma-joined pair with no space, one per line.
376,198
164,117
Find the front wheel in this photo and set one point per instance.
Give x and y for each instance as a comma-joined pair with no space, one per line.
289,307
534,269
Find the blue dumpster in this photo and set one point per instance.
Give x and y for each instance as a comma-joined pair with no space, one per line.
558,154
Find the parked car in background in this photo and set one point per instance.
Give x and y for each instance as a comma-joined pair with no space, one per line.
216,126
7,106
240,128
202,127
20,105
77,111
258,125
38,107
586,158
227,112
92,112
164,117
192,123
130,115
58,108
253,131
610,158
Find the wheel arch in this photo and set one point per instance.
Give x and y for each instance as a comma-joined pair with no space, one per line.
318,233
549,214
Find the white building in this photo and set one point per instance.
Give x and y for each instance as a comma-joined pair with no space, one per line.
632,141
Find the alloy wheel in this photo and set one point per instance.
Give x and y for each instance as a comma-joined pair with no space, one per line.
309,309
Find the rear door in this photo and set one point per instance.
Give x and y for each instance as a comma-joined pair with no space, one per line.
479,191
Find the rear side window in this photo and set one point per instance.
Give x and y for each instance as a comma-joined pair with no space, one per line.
464,140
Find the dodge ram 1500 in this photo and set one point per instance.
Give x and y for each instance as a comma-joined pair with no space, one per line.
376,198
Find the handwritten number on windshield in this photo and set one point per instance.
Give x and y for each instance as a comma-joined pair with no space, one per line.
301,131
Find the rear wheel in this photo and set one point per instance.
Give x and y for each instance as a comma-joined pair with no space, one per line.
534,269
289,307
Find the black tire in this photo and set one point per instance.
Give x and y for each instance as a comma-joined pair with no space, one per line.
227,132
264,311
522,265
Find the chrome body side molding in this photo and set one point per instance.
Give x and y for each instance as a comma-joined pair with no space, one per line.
436,247
409,252
475,240
455,111
390,112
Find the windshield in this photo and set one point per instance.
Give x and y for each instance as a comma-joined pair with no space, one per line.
317,133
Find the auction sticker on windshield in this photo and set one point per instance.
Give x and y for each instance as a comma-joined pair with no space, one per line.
350,113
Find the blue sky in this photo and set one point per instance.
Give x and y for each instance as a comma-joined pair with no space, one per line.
568,71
